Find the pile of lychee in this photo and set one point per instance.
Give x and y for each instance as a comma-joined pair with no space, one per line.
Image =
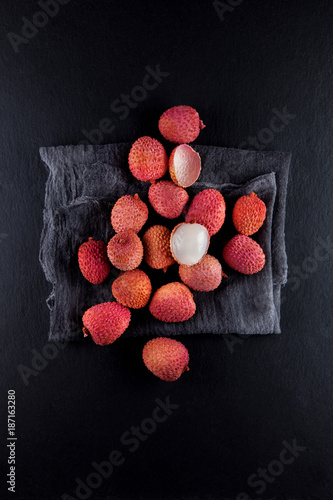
187,244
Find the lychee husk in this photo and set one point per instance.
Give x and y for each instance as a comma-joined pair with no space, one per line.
208,209
106,322
147,159
172,303
132,289
157,253
184,165
180,124
129,213
204,276
167,199
93,261
244,255
125,250
249,214
166,358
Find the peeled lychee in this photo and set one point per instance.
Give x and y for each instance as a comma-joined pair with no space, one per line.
156,241
244,255
172,302
129,213
166,358
180,124
249,214
148,159
184,165
167,199
189,243
204,276
125,250
132,289
106,322
207,208
93,261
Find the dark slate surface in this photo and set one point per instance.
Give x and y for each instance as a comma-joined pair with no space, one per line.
243,402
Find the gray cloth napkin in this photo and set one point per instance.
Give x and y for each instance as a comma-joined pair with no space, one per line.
83,184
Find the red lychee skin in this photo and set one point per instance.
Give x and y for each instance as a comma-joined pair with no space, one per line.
106,322
156,241
125,250
180,124
166,358
249,214
244,255
129,214
204,276
167,199
208,209
132,289
93,261
172,302
147,159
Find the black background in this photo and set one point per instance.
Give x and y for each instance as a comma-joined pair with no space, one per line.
235,408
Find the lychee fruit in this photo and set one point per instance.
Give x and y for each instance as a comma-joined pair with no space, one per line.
172,303
249,214
207,208
129,213
156,241
125,250
147,159
106,322
189,243
244,255
184,165
180,124
167,199
166,358
204,276
93,261
132,289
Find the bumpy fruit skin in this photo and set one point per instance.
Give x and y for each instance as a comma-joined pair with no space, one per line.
208,209
166,358
125,250
132,289
249,214
147,159
180,124
204,276
93,261
167,199
244,255
129,213
106,322
156,241
172,303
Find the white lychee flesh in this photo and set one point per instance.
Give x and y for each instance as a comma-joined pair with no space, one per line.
187,165
189,243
